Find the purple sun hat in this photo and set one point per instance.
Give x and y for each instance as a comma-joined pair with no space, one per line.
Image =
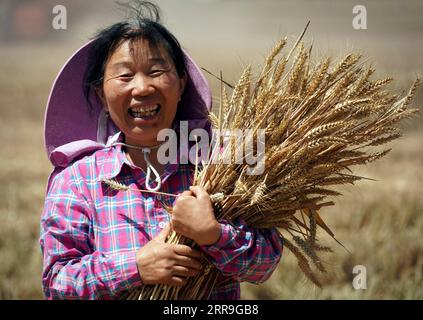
71,130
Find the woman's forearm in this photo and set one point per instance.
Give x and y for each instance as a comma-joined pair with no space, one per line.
244,253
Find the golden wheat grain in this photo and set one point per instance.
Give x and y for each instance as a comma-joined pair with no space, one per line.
115,185
318,124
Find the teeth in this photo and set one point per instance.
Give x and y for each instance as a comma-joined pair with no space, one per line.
145,108
146,111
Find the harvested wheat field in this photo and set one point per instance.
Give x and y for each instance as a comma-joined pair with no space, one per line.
379,222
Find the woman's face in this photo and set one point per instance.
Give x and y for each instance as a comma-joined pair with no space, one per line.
141,91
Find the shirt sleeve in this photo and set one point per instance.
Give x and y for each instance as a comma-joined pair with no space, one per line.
72,269
245,253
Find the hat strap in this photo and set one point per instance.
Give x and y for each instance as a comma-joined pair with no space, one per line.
150,168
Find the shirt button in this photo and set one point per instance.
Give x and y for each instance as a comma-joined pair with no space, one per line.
161,224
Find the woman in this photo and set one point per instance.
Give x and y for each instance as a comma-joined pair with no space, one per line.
99,243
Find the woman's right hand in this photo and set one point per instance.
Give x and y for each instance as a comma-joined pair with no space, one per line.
163,263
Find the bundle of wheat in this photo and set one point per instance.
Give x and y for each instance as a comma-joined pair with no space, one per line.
318,122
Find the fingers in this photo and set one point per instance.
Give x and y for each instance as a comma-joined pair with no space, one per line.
183,197
184,250
198,191
185,193
162,236
188,262
183,271
177,281
181,274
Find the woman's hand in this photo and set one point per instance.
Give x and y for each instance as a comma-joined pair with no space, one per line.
193,217
163,263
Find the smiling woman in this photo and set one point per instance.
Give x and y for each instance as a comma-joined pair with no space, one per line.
141,90
105,111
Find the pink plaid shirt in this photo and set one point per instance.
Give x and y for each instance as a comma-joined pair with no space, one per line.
90,233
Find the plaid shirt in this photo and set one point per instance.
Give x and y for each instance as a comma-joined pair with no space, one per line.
90,233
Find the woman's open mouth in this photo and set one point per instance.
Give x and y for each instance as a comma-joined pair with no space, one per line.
145,112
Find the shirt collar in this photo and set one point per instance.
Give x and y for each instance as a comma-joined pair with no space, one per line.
116,158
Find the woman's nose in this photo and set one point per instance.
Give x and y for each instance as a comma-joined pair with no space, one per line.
142,86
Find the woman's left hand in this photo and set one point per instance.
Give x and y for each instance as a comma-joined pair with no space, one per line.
193,217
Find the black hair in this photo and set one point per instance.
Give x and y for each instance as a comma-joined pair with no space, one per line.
143,22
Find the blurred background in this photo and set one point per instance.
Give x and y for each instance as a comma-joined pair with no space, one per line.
380,222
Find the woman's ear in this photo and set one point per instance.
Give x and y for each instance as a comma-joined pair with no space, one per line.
182,82
100,95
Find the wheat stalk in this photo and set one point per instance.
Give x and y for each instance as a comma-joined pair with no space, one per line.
319,122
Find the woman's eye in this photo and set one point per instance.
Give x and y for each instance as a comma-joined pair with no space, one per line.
126,77
156,73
